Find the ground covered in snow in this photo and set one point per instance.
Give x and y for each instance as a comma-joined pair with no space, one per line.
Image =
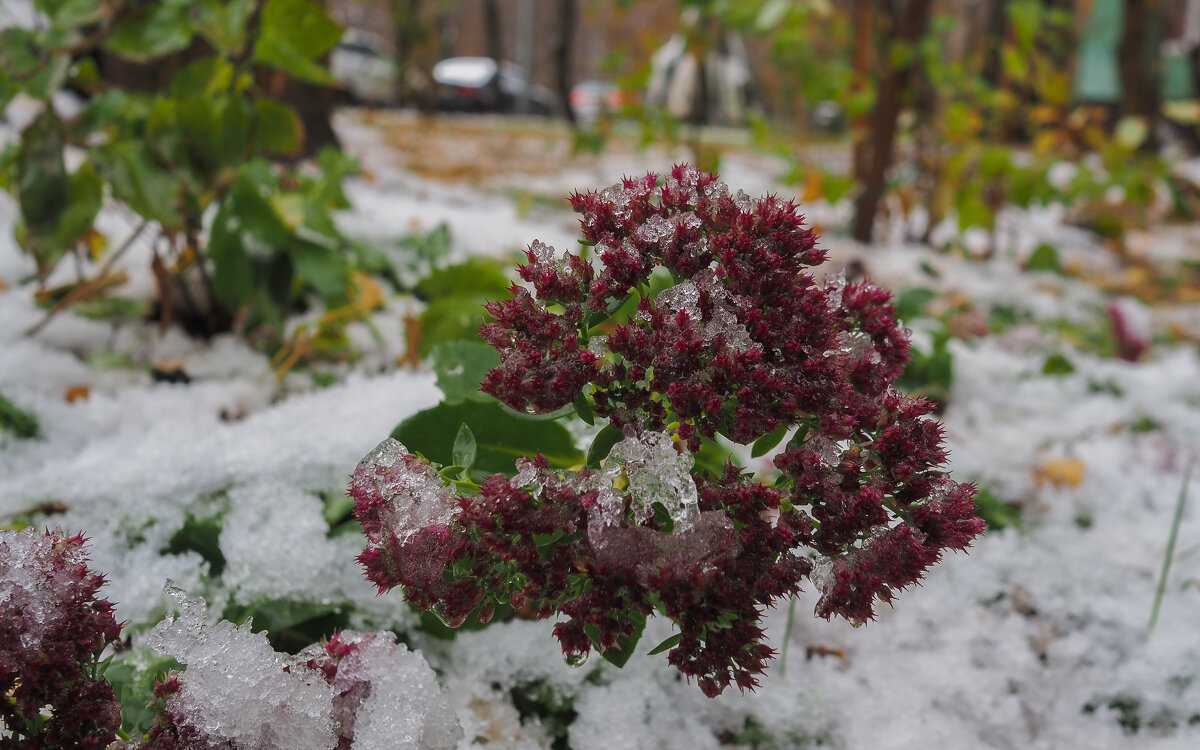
1038,638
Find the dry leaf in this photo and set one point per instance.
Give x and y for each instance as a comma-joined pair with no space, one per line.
1060,472
77,393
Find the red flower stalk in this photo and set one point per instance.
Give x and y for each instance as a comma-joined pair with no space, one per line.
52,632
743,344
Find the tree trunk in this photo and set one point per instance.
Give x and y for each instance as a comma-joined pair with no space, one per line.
407,31
910,24
1140,61
863,21
995,30
567,18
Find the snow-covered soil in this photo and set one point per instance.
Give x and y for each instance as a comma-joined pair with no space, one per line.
1038,638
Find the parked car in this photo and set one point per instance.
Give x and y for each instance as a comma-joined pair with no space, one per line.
594,97
367,73
464,84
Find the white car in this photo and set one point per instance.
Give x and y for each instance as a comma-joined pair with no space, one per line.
368,74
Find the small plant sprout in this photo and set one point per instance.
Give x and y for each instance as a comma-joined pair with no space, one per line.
691,313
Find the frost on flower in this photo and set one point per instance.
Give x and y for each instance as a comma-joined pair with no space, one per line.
745,344
53,630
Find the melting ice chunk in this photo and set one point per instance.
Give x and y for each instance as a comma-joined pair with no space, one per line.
237,691
416,496
657,473
404,707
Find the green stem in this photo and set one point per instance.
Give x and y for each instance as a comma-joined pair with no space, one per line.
787,637
1170,554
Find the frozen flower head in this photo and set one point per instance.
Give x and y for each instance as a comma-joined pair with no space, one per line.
743,343
52,632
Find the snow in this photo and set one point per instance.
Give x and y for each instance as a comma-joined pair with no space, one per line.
1036,639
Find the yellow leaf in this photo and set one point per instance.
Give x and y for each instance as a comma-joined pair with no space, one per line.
77,393
1045,142
1060,472
3,284
369,294
1044,114
812,186
97,243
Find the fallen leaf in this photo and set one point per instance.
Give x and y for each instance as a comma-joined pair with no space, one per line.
77,393
1060,472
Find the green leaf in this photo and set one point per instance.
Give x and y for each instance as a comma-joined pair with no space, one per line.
49,79
450,319
277,128
460,367
666,645
153,31
481,277
663,517
973,211
200,535
338,506
465,448
132,676
17,421
583,408
138,180
603,444
711,458
625,647
912,302
1025,16
1016,63
1057,364
223,23
295,34
1045,258
206,77
1131,132
42,183
321,268
930,373
771,14
501,436
997,513
112,309
233,272
65,14
86,195
290,624
767,443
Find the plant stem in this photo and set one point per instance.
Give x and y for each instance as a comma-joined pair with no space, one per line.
1166,567
787,636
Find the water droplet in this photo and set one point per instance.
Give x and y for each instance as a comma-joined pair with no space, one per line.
575,659
448,621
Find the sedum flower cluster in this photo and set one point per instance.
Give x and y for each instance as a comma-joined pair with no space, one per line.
739,341
52,632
